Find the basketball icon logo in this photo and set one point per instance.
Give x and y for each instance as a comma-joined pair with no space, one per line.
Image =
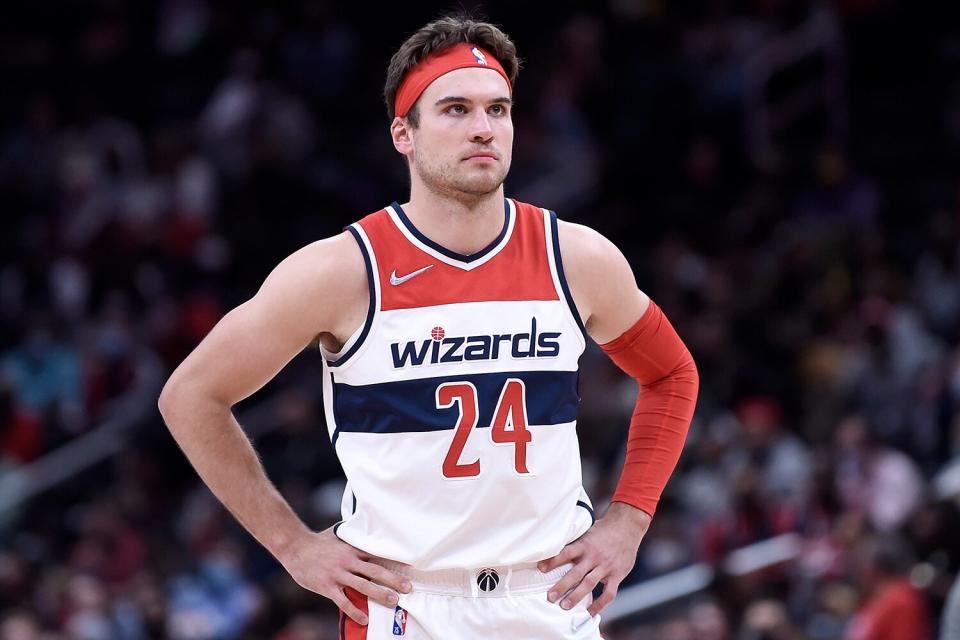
488,579
437,333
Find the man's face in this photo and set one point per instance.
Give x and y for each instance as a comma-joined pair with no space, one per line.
464,143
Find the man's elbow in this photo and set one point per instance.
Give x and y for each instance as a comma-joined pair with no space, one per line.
687,372
688,369
168,400
682,382
176,399
185,399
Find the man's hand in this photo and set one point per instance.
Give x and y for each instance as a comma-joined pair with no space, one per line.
323,563
605,553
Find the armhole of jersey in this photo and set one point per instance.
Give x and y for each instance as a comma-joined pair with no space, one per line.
329,405
349,497
355,341
593,516
556,268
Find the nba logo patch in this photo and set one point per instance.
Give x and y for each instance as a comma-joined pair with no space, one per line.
399,621
481,59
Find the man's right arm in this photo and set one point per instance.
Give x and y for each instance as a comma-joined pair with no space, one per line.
313,291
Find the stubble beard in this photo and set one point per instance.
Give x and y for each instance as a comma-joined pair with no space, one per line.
460,184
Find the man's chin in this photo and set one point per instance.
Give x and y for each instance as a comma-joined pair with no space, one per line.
475,185
480,185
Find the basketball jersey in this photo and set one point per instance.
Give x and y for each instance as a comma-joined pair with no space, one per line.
453,408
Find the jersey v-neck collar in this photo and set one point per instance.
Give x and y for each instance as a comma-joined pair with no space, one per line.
445,255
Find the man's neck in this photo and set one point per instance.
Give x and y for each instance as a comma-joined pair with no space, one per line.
461,225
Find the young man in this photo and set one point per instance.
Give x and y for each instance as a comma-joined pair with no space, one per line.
450,327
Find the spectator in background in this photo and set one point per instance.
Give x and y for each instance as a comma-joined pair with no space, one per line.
44,369
767,620
896,347
21,434
20,625
893,608
217,601
762,472
709,621
936,277
878,482
306,627
783,461
88,611
839,194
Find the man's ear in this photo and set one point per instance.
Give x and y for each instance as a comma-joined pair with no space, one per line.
400,132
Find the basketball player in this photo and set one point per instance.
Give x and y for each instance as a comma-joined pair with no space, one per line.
450,329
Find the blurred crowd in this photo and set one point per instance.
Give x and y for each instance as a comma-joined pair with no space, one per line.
158,159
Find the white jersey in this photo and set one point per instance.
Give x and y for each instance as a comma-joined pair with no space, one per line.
453,408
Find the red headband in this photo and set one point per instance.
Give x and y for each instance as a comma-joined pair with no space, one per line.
435,65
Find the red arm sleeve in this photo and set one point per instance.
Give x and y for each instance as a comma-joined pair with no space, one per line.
652,353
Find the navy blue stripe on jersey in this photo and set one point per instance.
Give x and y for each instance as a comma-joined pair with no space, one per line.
411,405
563,279
447,252
373,301
581,503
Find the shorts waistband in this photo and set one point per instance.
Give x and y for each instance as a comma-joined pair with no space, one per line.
485,582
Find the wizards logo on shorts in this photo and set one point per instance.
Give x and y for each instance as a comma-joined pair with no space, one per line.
399,621
440,348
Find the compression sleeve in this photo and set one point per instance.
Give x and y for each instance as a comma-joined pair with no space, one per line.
652,353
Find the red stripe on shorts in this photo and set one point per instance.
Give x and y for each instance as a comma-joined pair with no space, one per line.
351,630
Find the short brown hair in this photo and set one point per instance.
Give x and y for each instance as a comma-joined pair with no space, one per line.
441,34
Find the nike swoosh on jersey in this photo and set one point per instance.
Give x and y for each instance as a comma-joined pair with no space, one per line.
394,280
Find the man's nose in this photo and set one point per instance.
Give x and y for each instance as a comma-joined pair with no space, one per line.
480,127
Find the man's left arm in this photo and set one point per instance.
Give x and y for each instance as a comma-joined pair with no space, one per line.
634,333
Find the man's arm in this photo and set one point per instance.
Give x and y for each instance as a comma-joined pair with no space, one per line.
635,334
315,290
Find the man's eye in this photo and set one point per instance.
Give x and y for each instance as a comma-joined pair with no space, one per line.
498,109
457,108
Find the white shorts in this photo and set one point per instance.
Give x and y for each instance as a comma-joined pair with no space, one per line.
509,603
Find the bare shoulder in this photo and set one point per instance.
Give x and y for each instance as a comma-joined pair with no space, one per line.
601,281
584,249
323,284
332,267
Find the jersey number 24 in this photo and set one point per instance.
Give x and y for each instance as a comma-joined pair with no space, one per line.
509,424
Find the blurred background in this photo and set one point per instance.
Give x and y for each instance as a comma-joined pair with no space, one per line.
783,177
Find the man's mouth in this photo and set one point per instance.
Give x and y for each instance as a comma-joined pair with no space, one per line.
482,156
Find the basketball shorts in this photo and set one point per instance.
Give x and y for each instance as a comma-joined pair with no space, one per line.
499,602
